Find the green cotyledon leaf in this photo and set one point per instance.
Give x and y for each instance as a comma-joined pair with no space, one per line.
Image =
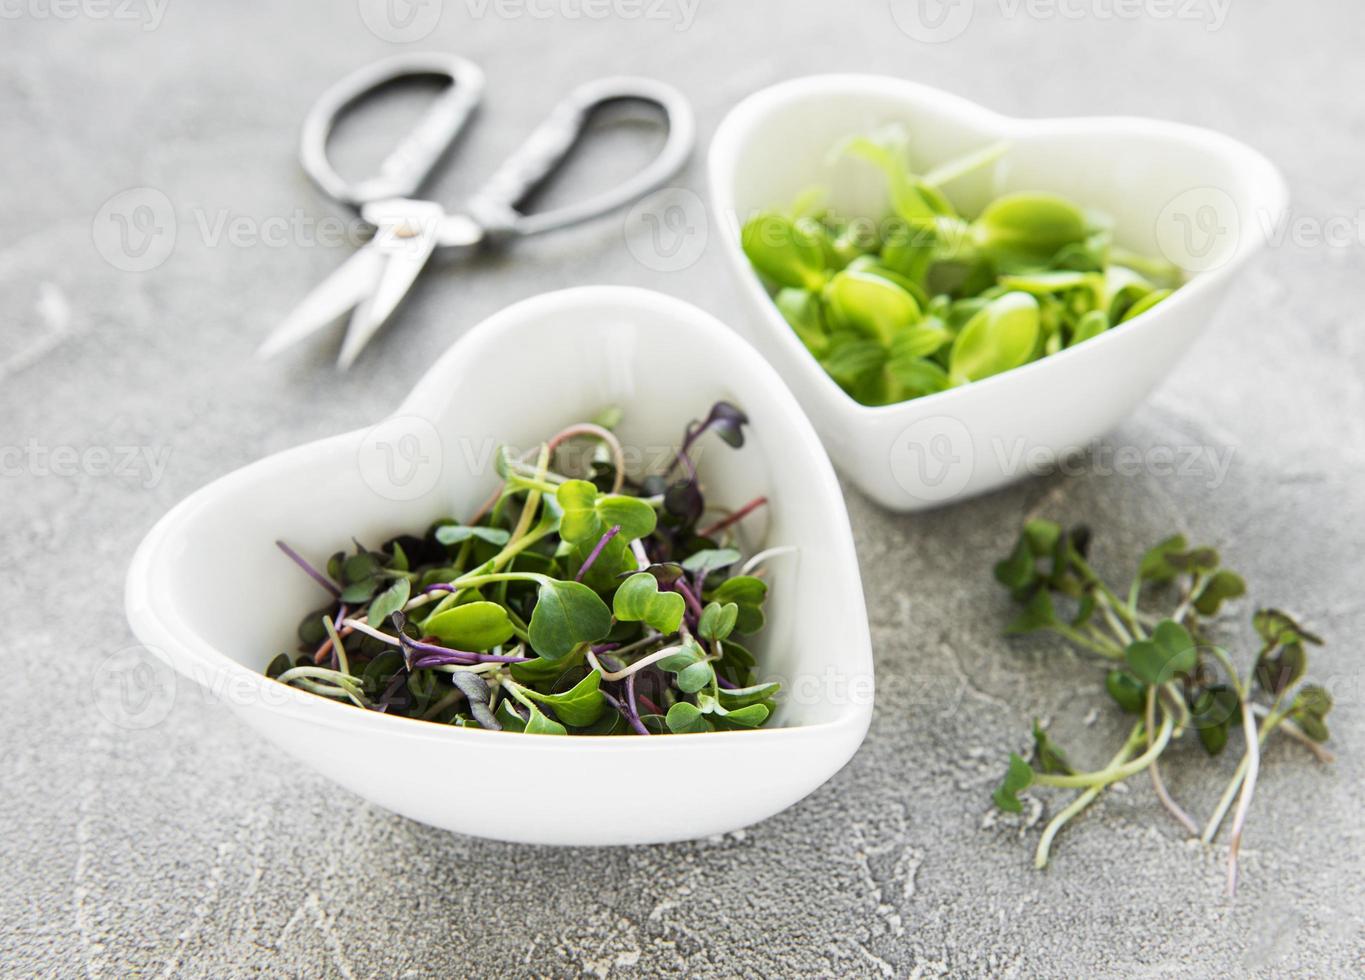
471,626
1024,231
871,305
1000,337
580,705
790,253
638,600
565,615
588,514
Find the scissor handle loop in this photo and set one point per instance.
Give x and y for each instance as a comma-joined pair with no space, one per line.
412,160
497,204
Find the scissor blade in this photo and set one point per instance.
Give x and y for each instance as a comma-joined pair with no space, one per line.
344,289
403,261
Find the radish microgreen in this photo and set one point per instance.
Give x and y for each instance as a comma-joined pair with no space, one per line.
576,601
1159,643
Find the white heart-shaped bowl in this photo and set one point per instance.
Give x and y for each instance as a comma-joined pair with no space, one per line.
209,593
1201,199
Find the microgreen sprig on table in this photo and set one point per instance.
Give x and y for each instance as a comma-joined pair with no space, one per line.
1157,640
578,603
927,300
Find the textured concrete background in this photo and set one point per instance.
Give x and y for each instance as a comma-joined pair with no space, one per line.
192,847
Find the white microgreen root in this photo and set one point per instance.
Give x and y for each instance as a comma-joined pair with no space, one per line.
1253,757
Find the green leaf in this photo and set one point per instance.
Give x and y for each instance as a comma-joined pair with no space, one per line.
359,568
541,725
279,665
471,626
1018,777
388,602
710,559
638,600
460,533
588,515
873,306
567,614
578,500
717,620
1310,709
1275,626
1222,586
735,698
751,716
684,718
1089,326
1145,304
1156,566
1213,713
508,718
1169,653
786,252
1048,753
1038,614
805,313
580,705
1024,231
359,592
691,666
694,677
912,198
1018,571
1279,668
1127,691
748,593
999,338
635,517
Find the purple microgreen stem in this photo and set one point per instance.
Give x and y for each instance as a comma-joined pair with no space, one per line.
313,573
596,550
732,518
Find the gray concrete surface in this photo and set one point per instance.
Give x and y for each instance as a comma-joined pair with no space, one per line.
193,848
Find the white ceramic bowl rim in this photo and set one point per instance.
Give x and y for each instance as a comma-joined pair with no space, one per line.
724,158
170,637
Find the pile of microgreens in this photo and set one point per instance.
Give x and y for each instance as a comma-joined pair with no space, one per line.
925,300
586,604
1164,667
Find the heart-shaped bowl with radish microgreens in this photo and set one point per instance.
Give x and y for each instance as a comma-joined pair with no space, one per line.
593,583
958,298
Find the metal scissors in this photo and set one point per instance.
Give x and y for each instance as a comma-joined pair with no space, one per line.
407,230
